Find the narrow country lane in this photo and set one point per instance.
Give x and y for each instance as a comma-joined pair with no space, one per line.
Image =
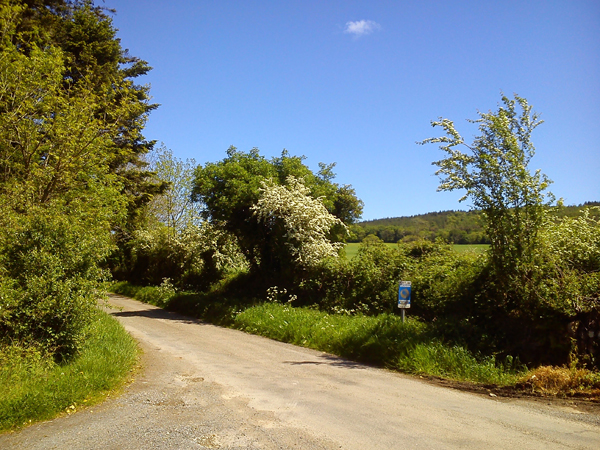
207,387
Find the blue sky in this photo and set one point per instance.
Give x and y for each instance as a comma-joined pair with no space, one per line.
358,83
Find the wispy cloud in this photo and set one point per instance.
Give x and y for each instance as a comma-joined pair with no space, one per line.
361,27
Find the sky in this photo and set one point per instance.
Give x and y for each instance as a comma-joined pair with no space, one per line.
359,82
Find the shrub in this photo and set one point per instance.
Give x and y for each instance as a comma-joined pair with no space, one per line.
194,256
365,284
49,276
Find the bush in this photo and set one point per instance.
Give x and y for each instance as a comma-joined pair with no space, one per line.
458,294
193,257
367,284
35,387
49,278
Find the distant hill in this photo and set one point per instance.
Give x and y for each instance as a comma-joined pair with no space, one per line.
457,227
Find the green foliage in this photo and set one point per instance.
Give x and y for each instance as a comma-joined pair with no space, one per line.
496,178
124,288
94,61
368,283
174,207
229,189
540,279
158,296
383,340
174,242
568,279
194,256
36,388
49,276
575,241
51,145
70,127
443,284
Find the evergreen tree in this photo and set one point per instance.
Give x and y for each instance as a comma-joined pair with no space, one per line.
70,166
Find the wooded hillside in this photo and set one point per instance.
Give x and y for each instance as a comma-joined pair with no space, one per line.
456,227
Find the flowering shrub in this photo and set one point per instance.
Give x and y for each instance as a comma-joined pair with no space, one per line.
305,221
188,256
277,295
575,241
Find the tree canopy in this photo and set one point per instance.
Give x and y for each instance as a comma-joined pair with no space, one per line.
71,171
495,175
93,59
229,189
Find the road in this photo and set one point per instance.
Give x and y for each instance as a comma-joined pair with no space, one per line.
203,386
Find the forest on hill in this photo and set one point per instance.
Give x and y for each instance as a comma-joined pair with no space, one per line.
455,227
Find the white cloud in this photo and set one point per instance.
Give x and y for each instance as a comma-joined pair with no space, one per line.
361,27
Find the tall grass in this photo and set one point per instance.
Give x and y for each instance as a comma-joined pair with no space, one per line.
35,388
411,347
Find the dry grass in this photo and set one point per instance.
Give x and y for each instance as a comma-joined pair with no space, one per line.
563,381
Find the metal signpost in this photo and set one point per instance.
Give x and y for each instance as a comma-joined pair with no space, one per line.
404,292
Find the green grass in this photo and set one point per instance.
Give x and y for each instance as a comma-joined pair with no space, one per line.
35,388
351,248
383,340
411,347
477,248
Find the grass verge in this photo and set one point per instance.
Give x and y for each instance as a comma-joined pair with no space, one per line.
411,347
382,340
36,388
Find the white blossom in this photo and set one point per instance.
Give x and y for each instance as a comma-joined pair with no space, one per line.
306,220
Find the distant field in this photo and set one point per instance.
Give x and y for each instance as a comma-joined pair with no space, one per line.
477,248
352,248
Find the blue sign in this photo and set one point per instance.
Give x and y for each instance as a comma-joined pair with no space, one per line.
404,292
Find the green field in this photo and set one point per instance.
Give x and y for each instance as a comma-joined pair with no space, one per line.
351,248
477,248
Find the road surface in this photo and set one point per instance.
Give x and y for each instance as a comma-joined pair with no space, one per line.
203,386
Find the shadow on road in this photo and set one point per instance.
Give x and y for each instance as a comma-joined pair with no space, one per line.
157,314
329,360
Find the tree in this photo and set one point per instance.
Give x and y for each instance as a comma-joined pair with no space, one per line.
69,130
174,207
303,223
174,242
228,189
93,57
58,197
494,172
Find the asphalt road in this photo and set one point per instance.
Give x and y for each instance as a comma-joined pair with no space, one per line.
207,387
